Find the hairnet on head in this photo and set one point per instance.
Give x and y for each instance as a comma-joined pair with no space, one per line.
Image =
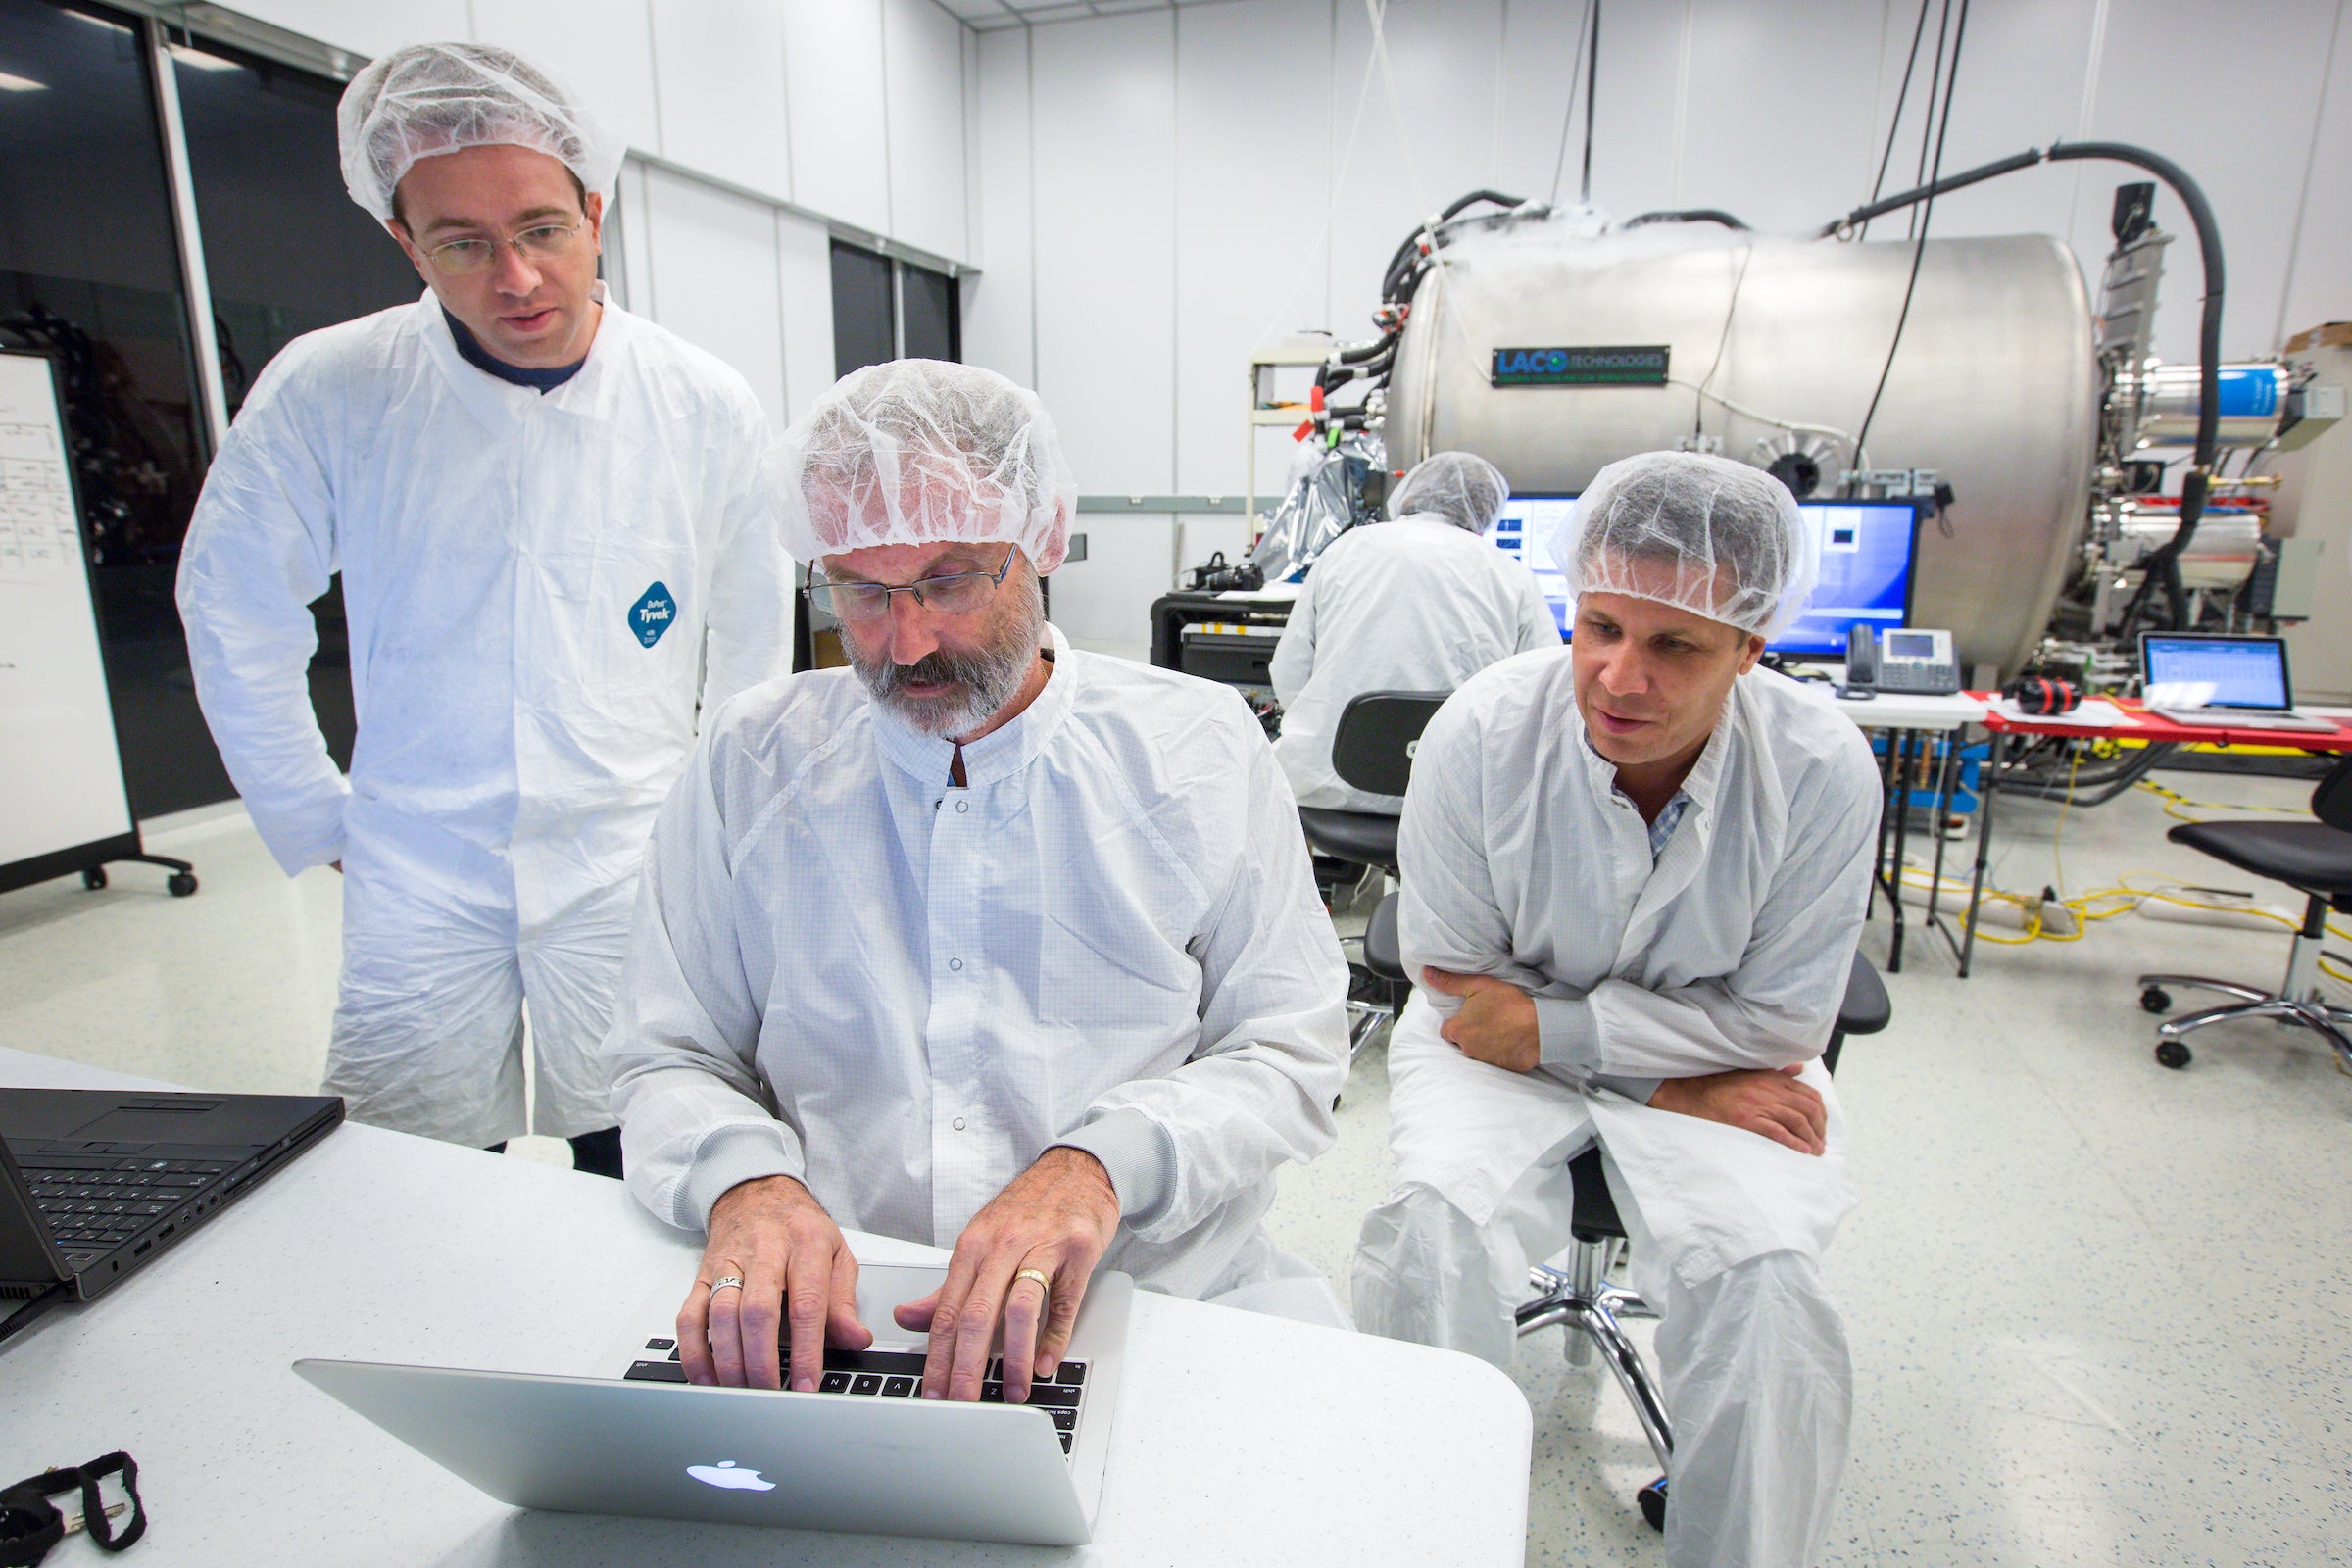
1703,533
924,452
433,98
1465,490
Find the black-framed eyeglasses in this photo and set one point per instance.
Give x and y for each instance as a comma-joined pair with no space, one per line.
955,593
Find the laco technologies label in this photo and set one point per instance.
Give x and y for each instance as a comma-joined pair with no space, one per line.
1640,366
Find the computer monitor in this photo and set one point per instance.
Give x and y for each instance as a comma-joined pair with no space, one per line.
1867,548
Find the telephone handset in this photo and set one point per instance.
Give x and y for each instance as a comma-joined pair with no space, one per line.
1861,662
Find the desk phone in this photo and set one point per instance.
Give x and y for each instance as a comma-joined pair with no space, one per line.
1913,660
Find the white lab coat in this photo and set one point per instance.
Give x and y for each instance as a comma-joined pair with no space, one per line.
902,993
505,555
1521,859
1412,605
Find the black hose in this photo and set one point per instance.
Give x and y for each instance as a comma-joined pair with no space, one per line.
1399,274
2164,562
1695,215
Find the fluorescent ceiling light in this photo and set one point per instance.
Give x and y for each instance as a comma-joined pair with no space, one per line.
96,22
9,83
188,56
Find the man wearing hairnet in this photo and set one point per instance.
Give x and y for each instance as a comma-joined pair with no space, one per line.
982,941
554,542
1418,603
1633,877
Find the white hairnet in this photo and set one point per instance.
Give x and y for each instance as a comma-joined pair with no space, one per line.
1465,490
1703,533
919,452
434,98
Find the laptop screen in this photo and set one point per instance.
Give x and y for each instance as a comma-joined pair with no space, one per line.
2243,671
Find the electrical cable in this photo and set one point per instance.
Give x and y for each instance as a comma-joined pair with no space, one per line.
1559,166
1927,124
1902,94
1584,195
1730,308
1926,212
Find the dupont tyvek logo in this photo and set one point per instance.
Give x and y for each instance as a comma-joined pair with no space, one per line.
650,616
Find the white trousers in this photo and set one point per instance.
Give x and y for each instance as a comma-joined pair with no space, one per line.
1754,1360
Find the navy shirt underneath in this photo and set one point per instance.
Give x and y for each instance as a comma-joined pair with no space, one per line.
470,350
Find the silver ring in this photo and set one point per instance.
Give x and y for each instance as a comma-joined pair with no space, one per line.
726,1282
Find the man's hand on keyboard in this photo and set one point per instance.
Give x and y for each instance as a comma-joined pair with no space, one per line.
774,1236
1770,1105
1056,1217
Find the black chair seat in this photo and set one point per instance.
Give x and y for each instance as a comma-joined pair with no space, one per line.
1363,836
2311,856
1381,955
1865,1010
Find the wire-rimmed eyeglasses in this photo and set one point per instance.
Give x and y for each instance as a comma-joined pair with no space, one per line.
953,593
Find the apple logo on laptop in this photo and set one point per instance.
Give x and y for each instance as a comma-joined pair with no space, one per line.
725,1474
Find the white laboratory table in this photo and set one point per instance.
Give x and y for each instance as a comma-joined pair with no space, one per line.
1240,1439
1912,722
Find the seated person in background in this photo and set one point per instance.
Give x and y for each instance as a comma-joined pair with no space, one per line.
1418,603
1632,880
982,941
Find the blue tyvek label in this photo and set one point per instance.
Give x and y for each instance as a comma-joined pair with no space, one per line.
650,616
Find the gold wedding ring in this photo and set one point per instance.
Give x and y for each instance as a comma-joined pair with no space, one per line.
1043,1282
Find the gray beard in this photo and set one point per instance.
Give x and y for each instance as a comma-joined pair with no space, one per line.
983,681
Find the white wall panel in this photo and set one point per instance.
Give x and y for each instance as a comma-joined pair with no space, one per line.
1782,159
628,264
715,278
1539,48
1105,242
1252,188
997,319
367,26
604,45
924,59
833,91
720,68
2321,289
804,289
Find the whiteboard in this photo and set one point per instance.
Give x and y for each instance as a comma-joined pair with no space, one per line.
61,776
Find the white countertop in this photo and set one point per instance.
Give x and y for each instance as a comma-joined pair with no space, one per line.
1240,1439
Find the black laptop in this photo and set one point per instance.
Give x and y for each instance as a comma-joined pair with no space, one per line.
95,1184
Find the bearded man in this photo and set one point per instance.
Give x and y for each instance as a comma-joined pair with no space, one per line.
983,942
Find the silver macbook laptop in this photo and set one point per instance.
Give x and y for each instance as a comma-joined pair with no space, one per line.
2243,682
864,1454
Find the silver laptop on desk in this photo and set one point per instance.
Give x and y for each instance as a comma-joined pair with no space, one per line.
864,1454
2247,679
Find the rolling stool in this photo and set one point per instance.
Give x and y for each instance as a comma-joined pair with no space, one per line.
1371,750
1580,1295
2315,858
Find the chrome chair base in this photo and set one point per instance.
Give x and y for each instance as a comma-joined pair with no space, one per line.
1581,1298
2331,1024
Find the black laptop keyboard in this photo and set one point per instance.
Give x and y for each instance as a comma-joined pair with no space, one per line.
899,1375
96,1203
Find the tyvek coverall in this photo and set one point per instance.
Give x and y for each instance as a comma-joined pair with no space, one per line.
1414,604
540,590
1521,859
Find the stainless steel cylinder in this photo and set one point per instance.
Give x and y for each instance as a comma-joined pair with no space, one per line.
1995,385
2253,400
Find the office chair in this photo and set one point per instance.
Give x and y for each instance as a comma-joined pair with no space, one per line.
1580,1295
1372,750
2315,858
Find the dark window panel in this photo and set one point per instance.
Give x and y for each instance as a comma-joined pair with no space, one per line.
934,324
864,317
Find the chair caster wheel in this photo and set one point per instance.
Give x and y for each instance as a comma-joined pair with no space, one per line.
2172,1054
2156,999
94,878
180,884
1653,1500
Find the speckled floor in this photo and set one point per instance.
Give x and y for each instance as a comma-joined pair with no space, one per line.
2101,1312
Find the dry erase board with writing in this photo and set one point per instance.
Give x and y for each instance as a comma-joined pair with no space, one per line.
61,776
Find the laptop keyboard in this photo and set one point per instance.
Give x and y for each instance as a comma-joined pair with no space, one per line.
97,1202
899,1375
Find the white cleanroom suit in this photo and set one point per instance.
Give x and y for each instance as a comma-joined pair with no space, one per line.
1414,604
541,589
900,992
1522,859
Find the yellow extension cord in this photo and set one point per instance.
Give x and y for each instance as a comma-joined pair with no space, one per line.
2123,897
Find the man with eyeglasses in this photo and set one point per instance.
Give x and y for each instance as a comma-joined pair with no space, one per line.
983,942
555,545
